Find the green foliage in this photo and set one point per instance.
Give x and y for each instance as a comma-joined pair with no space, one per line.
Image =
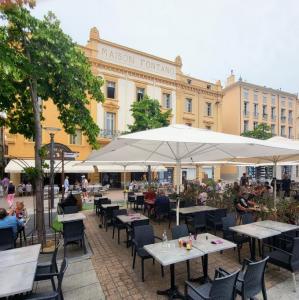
261,132
38,59
147,114
287,211
31,173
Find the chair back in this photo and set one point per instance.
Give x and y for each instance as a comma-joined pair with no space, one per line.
247,218
227,222
109,211
140,200
295,252
224,287
63,268
104,201
118,212
144,235
179,231
199,218
254,277
162,208
73,229
7,240
70,209
138,223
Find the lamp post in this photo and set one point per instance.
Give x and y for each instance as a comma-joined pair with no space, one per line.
52,131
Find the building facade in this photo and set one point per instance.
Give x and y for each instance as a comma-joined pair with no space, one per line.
130,74
245,105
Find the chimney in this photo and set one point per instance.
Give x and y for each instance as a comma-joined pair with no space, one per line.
230,79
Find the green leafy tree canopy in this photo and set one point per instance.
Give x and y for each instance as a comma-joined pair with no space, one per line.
261,132
147,114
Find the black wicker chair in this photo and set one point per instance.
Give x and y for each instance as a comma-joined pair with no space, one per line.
247,218
139,202
251,280
178,232
57,293
108,215
197,222
288,260
7,238
72,209
143,235
162,210
117,224
230,221
214,219
222,287
131,231
73,232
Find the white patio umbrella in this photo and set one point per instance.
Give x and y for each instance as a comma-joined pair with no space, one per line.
181,144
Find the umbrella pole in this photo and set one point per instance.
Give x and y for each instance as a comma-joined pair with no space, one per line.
178,182
125,185
274,185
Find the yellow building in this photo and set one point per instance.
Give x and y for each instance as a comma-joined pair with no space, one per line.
129,74
245,105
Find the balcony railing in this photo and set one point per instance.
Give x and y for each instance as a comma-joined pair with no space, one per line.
283,119
246,114
256,115
265,117
109,134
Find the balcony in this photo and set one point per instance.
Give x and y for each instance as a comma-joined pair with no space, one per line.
109,134
283,119
273,118
265,117
256,115
246,114
290,120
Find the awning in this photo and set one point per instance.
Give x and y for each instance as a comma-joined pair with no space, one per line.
132,168
70,166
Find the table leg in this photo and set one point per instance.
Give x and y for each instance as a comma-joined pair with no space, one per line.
172,292
253,249
205,278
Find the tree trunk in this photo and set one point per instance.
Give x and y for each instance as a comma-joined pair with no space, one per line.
40,225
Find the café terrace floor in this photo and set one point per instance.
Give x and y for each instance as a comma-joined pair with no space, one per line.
112,264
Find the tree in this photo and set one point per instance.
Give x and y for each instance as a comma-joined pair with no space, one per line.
39,63
147,114
261,132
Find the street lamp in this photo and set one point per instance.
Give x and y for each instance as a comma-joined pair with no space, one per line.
52,131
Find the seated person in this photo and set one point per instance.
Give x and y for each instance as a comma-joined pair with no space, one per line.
20,210
150,195
6,220
242,203
161,198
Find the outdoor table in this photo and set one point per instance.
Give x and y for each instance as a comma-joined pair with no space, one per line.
255,232
105,206
209,243
71,217
128,219
168,254
194,209
18,274
279,226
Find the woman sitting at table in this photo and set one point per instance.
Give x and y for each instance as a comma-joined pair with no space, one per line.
242,203
150,195
7,220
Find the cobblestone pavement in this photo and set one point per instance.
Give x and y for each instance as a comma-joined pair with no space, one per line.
113,265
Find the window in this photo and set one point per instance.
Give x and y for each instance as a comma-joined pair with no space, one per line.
188,105
273,129
246,125
273,100
290,116
283,101
265,111
255,109
255,124
139,94
76,139
282,130
111,89
256,97
264,99
166,100
272,112
246,105
291,133
245,94
109,123
290,103
209,109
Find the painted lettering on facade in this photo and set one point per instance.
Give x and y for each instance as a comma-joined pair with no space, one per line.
135,61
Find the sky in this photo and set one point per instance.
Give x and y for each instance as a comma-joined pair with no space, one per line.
257,39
